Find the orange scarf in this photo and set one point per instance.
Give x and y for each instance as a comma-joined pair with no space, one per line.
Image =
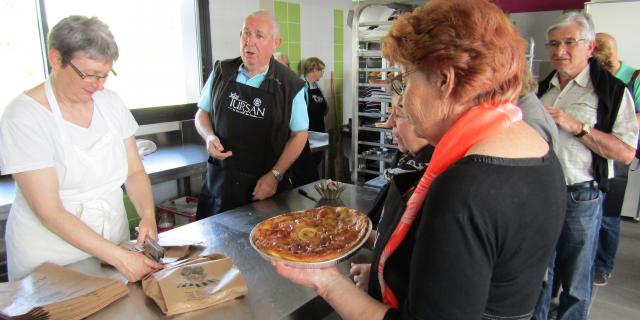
478,123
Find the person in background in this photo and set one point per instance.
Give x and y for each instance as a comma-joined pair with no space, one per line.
413,155
252,116
317,107
606,53
304,170
595,116
282,58
476,234
400,181
69,145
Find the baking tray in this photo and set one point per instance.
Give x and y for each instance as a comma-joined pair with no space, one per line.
313,265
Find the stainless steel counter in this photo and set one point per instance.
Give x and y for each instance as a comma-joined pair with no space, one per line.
168,163
175,162
270,296
7,194
319,141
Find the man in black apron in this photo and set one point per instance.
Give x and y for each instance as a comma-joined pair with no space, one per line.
248,131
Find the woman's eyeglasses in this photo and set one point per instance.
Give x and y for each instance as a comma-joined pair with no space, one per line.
89,77
397,83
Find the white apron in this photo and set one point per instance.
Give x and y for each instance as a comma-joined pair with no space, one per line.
90,189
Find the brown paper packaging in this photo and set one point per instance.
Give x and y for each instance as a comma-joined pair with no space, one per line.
194,284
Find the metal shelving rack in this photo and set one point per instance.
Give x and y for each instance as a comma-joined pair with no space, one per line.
373,147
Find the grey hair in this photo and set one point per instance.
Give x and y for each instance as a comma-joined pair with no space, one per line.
269,16
583,20
80,34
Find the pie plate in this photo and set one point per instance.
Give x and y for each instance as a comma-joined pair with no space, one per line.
317,264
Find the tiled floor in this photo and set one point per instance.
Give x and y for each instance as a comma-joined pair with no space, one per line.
620,299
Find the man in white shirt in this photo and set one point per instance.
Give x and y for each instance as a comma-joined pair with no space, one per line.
595,116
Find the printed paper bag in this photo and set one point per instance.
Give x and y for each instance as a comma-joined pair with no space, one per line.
194,284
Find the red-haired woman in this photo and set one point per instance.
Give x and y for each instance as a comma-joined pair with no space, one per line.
474,239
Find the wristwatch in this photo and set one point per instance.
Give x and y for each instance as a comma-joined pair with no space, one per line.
277,174
585,130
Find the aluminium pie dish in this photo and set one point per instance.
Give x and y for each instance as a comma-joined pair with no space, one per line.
314,238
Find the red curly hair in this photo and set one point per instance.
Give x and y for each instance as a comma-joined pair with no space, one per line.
475,38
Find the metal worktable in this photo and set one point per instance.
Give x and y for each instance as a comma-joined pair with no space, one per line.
319,141
181,161
173,162
167,163
270,296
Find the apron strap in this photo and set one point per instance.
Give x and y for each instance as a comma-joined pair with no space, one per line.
57,114
55,110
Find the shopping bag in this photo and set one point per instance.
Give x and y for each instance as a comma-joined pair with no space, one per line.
194,284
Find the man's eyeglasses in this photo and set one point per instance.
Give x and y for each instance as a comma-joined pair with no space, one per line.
398,84
568,43
89,77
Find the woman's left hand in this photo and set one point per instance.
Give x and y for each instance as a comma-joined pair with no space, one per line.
147,228
316,279
360,273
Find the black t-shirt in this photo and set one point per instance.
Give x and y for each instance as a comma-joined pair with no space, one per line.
481,244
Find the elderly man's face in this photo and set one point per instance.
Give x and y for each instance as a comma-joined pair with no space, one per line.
257,42
569,51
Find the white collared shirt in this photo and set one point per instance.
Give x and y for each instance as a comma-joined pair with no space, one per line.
579,100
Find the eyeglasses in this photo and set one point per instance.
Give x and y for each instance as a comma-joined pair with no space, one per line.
90,77
569,43
397,83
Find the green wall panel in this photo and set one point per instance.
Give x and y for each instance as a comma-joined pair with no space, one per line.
288,16
293,9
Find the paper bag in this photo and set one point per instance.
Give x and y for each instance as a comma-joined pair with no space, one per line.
194,284
55,292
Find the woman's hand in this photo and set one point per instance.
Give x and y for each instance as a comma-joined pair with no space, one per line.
317,279
338,290
147,228
134,265
360,274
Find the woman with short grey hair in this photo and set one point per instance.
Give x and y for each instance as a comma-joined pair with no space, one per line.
69,145
81,34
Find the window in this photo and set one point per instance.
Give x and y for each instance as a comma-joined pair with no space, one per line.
21,60
159,63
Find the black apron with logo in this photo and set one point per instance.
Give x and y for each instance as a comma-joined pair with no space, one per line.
316,107
245,127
